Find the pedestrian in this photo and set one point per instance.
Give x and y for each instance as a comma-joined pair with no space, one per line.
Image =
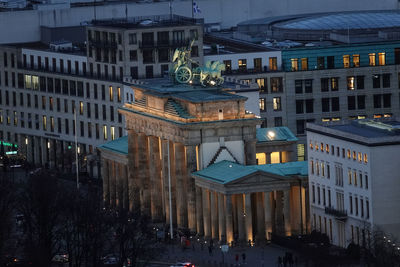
244,257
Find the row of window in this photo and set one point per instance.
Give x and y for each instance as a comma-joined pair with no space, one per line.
276,85
320,146
357,206
329,61
324,229
59,125
276,104
257,63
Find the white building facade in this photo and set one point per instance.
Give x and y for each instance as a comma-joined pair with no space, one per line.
352,180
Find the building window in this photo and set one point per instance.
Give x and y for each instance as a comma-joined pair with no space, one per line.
277,103
304,64
105,132
387,103
257,64
276,84
309,105
299,106
386,80
80,108
277,121
381,59
273,63
320,63
356,61
298,84
351,102
361,101
300,152
112,132
351,204
111,93
228,66
372,59
262,84
346,61
335,104
350,83
377,101
334,84
44,123
262,104
300,126
132,55
360,82
324,84
325,104
308,86
242,63
330,62
295,64
132,38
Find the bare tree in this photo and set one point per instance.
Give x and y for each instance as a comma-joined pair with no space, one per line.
134,238
41,204
7,202
85,228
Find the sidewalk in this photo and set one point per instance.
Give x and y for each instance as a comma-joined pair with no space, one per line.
201,257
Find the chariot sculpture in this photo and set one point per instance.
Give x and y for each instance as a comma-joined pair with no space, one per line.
183,72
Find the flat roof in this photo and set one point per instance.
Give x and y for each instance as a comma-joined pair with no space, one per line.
366,132
192,93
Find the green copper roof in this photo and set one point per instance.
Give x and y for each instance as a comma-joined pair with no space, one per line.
275,134
119,145
225,171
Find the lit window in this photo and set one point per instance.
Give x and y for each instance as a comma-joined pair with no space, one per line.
322,147
304,64
327,148
349,176
242,64
346,61
295,64
110,90
365,158
377,116
381,59
277,103
350,83
261,158
112,130
312,167
387,115
44,123
28,81
275,157
348,153
119,94
336,119
356,60
372,59
359,156
311,145
105,132
80,107
316,146
361,117
355,177
273,63
35,82
262,104
15,118
300,152
354,155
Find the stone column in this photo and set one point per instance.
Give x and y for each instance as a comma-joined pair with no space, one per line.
228,219
199,211
260,216
119,185
155,179
278,213
106,184
206,212
112,183
191,165
181,205
169,173
221,217
240,217
249,217
45,152
307,209
286,211
214,215
125,187
268,214
133,174
36,150
143,174
250,151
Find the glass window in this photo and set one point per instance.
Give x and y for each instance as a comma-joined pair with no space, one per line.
320,63
304,64
295,64
261,158
298,84
334,84
372,59
356,60
346,61
262,104
273,63
277,103
381,59
350,83
308,86
242,64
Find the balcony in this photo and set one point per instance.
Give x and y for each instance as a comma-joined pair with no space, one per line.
103,44
338,214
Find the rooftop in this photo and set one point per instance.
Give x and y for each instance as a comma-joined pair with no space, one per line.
275,134
367,132
148,22
225,172
119,145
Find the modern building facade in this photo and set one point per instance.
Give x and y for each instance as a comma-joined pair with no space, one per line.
352,179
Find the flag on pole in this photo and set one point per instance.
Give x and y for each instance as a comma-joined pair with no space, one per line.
196,8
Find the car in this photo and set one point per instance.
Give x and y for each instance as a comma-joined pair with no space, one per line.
62,258
183,264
